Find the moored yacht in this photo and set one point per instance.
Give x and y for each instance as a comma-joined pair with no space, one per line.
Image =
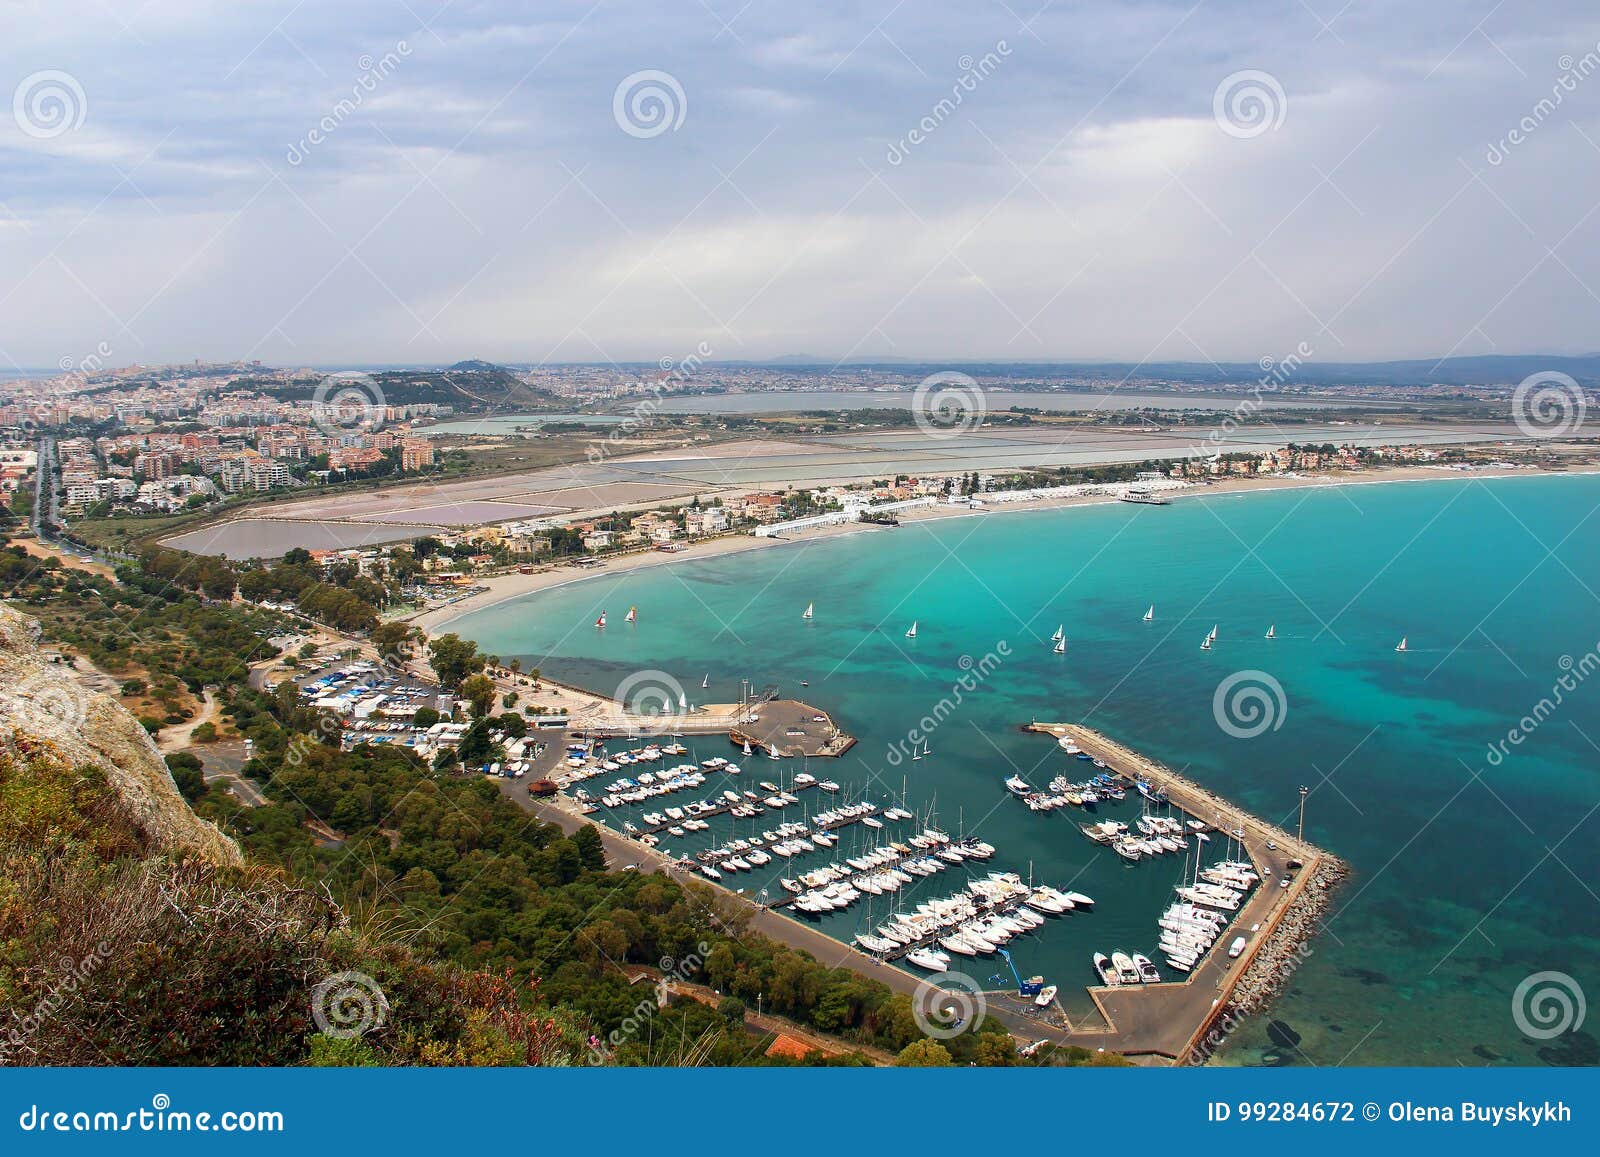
1127,972
1106,970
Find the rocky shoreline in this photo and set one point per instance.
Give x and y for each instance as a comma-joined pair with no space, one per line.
1273,968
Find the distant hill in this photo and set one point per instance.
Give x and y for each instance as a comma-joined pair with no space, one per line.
471,386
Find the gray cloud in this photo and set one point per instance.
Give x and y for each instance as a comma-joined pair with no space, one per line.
834,186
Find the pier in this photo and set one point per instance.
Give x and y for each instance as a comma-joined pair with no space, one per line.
788,727
1175,1019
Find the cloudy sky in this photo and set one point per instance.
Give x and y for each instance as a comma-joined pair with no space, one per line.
409,181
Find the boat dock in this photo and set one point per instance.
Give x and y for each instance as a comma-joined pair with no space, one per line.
722,807
1175,1019
788,727
791,728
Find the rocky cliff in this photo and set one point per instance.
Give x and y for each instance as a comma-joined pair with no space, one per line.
44,704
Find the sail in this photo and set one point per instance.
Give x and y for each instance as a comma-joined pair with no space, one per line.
912,633
601,621
633,614
809,608
1150,614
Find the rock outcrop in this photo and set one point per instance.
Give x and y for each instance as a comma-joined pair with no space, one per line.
43,703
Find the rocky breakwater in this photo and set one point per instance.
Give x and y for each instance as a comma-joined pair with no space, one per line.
1286,945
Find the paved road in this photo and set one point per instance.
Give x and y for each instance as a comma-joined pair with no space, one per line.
220,763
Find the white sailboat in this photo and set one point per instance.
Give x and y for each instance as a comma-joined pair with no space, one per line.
1212,637
809,608
1059,635
1150,614
1401,645
683,701
1205,643
747,750
912,633
633,615
1061,647
601,621
1272,631
706,682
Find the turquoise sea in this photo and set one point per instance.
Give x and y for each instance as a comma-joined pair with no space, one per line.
1471,873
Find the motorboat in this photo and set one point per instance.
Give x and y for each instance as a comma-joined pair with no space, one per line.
1127,971
1046,995
930,959
1106,970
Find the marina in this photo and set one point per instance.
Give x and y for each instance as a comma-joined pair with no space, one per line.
1143,680
1171,1018
1158,997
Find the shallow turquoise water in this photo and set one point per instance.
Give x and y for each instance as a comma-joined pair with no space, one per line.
1468,876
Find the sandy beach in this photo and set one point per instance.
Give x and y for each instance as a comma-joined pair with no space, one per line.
500,588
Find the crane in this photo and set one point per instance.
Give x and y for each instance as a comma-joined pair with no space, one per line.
1030,987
